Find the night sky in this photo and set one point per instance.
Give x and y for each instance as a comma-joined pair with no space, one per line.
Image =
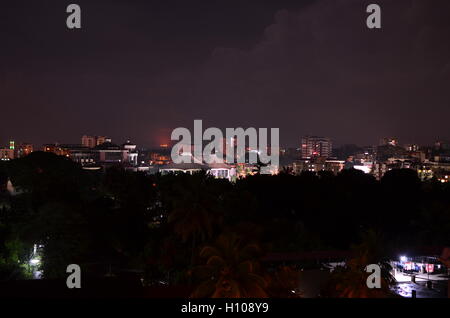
138,69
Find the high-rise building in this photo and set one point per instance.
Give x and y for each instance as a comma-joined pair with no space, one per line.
314,146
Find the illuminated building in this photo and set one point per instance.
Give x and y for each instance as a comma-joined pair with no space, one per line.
24,149
78,153
389,141
108,153
6,154
315,166
100,140
425,172
160,156
159,159
130,154
313,146
92,141
379,169
245,169
218,170
441,171
412,147
365,166
56,149
88,141
444,179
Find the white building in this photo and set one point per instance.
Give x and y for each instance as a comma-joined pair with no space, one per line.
218,170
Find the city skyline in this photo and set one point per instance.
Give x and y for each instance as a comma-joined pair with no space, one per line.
206,151
306,67
166,142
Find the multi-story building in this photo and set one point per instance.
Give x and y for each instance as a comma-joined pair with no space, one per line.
379,169
130,153
6,154
88,141
102,155
107,154
412,147
80,154
57,149
23,150
391,141
334,166
92,141
101,139
425,171
441,171
442,157
218,170
313,146
159,156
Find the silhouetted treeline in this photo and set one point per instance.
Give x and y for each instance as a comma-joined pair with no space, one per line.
157,225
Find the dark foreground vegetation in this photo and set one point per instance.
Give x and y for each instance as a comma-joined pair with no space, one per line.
209,236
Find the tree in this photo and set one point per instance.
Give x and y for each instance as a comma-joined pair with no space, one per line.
284,282
350,281
231,270
193,207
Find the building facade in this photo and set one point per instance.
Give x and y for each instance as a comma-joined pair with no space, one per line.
24,150
6,154
93,141
313,146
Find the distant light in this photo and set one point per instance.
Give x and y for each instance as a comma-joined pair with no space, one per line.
403,258
34,261
365,169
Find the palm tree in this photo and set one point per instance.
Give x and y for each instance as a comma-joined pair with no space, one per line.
231,270
350,281
193,211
